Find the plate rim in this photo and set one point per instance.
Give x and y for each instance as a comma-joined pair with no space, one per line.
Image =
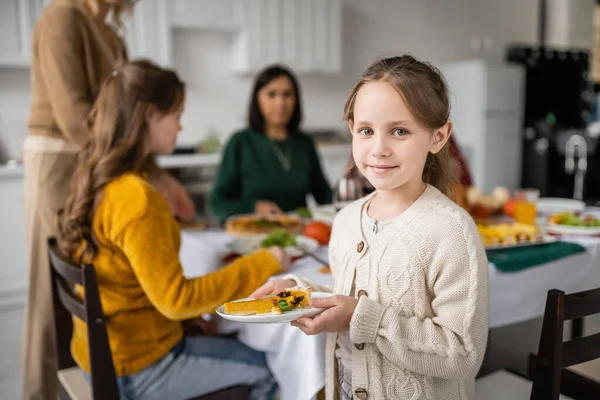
268,318
569,204
573,230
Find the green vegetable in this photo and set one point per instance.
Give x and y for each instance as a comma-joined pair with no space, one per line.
573,220
279,237
284,306
303,212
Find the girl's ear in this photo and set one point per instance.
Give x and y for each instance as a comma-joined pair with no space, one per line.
151,113
440,137
351,125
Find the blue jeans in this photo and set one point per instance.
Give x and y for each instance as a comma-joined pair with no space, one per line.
200,365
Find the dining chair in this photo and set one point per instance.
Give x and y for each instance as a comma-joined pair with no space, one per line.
558,364
67,305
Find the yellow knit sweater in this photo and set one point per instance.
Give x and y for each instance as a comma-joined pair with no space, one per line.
143,291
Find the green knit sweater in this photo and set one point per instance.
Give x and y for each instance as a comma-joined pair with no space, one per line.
252,169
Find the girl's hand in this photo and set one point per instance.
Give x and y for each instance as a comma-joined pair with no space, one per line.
282,257
336,317
200,326
265,208
273,287
176,195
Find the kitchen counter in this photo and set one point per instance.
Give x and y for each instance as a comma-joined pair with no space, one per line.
326,151
11,171
213,159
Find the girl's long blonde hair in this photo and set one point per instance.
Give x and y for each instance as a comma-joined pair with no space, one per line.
424,90
118,143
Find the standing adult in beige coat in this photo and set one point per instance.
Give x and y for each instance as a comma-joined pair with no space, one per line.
74,50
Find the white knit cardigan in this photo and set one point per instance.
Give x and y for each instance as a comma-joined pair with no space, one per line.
421,324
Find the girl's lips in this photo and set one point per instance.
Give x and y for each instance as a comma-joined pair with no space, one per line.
381,169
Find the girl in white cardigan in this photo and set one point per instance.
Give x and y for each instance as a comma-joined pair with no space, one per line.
409,318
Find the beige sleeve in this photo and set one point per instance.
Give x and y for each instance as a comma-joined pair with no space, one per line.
62,66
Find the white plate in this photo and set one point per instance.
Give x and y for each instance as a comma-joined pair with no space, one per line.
325,213
555,205
248,244
573,230
271,318
545,240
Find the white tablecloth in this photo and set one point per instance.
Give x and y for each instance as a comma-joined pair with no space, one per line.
296,360
520,296
514,297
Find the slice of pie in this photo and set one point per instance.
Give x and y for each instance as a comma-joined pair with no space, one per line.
287,300
255,224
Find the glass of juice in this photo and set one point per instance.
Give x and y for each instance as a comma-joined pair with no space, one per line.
525,210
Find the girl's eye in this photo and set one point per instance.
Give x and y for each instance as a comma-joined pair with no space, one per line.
365,132
400,132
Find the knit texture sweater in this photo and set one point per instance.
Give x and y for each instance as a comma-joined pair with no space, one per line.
143,291
420,327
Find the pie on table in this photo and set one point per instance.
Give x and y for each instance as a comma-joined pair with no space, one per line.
255,224
286,300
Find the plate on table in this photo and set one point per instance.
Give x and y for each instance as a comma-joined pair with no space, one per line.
571,224
270,318
544,240
247,244
253,224
553,205
560,229
325,213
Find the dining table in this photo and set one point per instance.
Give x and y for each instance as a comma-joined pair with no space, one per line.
297,360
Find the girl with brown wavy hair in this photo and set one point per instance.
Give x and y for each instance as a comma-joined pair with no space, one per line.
115,219
410,314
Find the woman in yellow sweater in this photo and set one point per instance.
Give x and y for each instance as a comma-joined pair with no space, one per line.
115,219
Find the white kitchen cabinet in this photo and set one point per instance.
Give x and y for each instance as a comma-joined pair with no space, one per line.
17,18
148,33
305,35
205,14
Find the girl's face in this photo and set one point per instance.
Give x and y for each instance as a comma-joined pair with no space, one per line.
389,146
163,130
276,101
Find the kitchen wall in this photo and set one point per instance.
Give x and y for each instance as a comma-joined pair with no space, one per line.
435,30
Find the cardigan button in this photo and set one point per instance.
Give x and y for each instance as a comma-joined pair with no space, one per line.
360,246
361,394
359,346
362,293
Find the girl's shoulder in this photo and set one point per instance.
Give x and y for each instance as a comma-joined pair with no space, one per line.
133,191
61,19
444,224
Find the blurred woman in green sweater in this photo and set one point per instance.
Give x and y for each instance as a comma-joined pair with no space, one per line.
270,166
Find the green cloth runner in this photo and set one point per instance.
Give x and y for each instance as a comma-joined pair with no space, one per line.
519,258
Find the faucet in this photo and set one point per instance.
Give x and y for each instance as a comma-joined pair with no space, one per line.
576,147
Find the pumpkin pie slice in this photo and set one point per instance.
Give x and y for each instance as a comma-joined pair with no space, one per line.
287,300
